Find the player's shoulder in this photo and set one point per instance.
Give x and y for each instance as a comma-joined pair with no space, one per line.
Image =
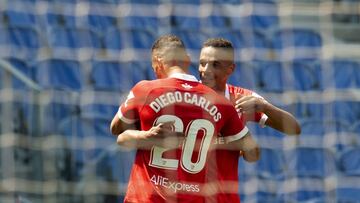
149,85
143,86
215,97
208,91
205,88
142,83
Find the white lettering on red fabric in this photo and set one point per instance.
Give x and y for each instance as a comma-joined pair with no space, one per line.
169,98
174,186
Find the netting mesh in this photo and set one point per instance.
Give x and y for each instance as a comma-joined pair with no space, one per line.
84,56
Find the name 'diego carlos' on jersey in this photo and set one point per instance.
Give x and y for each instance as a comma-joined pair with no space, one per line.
170,98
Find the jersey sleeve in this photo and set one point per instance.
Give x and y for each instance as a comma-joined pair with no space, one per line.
234,127
129,110
262,120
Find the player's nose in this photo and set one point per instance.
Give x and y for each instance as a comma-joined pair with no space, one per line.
206,68
206,73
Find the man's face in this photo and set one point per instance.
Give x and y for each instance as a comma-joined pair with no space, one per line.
216,65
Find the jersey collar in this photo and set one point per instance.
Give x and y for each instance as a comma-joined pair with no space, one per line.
184,76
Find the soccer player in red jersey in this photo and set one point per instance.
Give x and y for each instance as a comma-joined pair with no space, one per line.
180,172
216,66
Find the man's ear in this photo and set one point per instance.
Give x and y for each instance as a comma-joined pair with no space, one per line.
158,67
155,62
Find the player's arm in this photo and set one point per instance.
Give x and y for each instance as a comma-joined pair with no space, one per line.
128,136
248,147
238,137
127,116
278,119
117,126
134,139
281,120
160,135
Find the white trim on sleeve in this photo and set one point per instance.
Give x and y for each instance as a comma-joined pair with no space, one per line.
238,136
125,120
262,120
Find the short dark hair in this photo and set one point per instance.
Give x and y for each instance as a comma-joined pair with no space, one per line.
218,43
168,40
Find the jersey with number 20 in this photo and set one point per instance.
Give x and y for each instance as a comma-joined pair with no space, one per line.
180,174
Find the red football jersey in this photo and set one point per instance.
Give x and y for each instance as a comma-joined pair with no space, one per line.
182,174
227,161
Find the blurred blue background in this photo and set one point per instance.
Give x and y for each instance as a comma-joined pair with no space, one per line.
66,65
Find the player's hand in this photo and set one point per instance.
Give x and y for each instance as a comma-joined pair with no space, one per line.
250,104
162,130
164,135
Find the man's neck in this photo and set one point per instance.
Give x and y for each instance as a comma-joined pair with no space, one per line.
221,90
175,69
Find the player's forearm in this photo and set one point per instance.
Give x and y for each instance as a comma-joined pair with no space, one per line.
115,129
250,149
281,120
135,139
252,155
116,126
147,139
245,144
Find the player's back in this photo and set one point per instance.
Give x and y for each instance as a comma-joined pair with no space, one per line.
200,114
187,100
